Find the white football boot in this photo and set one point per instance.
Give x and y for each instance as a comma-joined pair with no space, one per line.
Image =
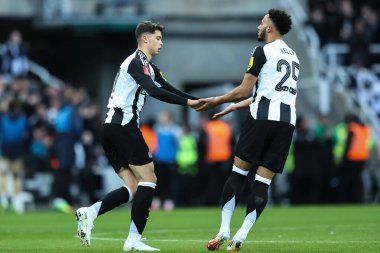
137,246
85,225
235,244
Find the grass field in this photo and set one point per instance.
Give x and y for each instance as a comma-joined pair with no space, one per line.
294,229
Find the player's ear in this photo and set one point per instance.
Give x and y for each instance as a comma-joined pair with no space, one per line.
144,38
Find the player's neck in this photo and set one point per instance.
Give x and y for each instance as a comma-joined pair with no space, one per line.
272,38
149,56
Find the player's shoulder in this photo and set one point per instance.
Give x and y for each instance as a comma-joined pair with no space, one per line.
154,66
136,59
130,60
257,49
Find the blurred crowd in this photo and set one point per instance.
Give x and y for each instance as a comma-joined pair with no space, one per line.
347,21
50,150
44,130
356,24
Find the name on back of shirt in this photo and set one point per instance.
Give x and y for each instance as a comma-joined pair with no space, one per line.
287,51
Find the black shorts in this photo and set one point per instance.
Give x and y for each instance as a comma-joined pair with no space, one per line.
265,142
124,145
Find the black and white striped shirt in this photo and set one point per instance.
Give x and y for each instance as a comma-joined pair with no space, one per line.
277,68
137,78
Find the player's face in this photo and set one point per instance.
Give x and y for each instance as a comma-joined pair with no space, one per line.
155,42
262,29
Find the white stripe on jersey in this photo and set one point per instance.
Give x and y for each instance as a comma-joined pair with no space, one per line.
127,94
277,82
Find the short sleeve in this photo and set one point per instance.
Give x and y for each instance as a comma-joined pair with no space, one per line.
256,61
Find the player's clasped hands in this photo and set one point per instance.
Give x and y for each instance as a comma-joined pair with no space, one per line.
206,103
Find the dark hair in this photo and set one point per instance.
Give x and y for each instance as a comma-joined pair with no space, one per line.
148,27
281,20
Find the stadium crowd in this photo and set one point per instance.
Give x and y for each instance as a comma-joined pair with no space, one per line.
55,131
356,24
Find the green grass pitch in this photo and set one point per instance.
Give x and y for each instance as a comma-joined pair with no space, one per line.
292,229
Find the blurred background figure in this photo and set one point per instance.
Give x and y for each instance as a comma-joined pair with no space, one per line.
307,177
150,135
14,130
354,141
187,160
14,58
68,129
165,159
216,138
325,138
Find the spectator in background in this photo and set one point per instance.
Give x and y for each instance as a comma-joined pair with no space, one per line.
347,16
165,159
150,135
89,181
324,135
14,62
359,47
39,149
13,129
307,176
68,129
318,21
355,137
218,138
187,158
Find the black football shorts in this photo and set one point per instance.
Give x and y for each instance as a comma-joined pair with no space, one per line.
265,142
124,145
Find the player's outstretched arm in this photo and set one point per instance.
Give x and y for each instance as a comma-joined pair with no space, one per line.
159,77
233,107
242,91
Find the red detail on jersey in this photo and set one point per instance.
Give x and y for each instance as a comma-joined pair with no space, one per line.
146,70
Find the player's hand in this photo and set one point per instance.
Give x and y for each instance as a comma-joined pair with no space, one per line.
195,104
208,103
227,110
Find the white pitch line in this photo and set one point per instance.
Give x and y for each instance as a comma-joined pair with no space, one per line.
263,241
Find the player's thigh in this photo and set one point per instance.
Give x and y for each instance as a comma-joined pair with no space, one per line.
252,140
119,144
144,173
276,153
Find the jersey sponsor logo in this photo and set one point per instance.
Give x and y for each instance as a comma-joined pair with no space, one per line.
251,61
146,70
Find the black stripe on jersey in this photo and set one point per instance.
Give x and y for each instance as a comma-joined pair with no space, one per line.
263,108
134,106
285,112
117,117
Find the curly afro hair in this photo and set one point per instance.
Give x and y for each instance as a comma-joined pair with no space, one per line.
281,20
